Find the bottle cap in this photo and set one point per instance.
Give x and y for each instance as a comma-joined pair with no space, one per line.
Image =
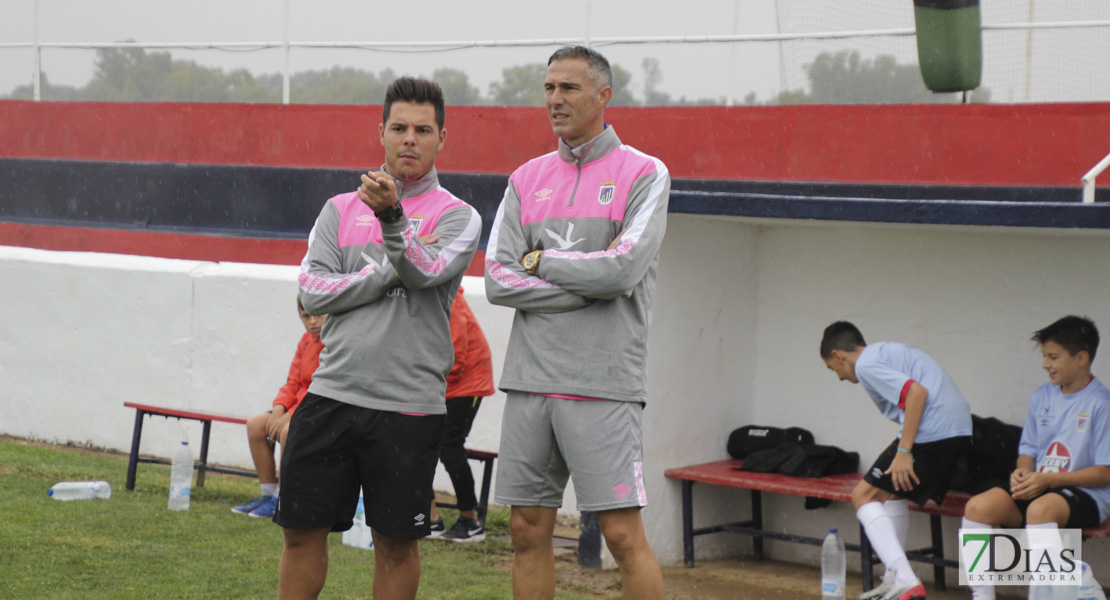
50,492
832,530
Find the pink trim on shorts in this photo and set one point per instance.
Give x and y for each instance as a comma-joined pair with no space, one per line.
415,414
641,493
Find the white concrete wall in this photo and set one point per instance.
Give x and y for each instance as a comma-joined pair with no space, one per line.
738,316
89,332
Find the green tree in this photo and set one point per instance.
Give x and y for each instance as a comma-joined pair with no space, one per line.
520,85
47,91
339,85
789,97
653,75
622,92
457,90
135,75
846,78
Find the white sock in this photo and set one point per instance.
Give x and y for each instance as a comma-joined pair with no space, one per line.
269,489
983,591
899,513
884,539
1042,538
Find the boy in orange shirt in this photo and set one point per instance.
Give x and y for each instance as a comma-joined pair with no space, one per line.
470,380
273,426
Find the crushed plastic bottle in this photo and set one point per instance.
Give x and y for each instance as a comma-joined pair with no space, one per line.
80,490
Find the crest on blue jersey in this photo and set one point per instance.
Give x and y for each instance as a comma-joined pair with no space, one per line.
1082,422
606,193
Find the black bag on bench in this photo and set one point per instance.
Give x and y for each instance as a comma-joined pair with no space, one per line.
797,456
753,438
802,460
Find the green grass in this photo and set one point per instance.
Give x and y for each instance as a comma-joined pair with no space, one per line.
132,546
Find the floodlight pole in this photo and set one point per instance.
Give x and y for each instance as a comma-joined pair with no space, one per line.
285,72
589,23
37,79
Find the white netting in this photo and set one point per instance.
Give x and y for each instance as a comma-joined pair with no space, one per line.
713,51
1057,64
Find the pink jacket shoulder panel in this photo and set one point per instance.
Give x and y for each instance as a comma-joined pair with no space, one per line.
550,188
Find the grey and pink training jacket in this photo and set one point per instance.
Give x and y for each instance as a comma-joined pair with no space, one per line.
581,324
387,339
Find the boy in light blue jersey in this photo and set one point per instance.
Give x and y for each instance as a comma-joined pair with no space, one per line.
913,390
1062,477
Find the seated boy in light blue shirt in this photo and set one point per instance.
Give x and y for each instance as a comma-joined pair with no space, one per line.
1062,479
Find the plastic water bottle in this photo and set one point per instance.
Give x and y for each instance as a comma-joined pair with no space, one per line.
832,567
359,535
1089,588
80,490
181,478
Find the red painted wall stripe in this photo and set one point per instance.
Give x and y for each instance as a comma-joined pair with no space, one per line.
1028,144
167,245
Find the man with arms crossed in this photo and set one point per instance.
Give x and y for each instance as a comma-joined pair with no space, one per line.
575,249
373,416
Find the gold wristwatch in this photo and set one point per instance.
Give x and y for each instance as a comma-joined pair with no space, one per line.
531,261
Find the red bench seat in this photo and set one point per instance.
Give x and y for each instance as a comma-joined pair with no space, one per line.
207,417
832,487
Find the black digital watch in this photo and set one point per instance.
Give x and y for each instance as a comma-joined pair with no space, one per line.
390,215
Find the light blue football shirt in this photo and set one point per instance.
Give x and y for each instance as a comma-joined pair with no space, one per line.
1070,432
885,370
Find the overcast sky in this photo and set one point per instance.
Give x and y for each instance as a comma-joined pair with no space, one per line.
692,70
359,20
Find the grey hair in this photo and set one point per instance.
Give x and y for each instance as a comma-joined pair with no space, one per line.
600,72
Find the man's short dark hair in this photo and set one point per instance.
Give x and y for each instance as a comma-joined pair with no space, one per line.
1075,334
416,91
600,72
843,336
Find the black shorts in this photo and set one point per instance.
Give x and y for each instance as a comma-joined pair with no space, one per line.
1083,509
334,448
933,463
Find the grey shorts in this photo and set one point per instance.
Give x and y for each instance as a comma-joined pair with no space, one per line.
545,441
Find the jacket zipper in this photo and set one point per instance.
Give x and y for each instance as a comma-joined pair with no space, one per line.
578,165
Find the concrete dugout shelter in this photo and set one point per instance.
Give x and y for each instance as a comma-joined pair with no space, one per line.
147,252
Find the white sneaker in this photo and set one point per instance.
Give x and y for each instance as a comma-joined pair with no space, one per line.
437,529
1089,588
877,592
915,590
465,530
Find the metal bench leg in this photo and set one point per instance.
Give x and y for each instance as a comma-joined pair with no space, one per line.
938,552
203,467
757,523
133,461
483,499
688,522
866,566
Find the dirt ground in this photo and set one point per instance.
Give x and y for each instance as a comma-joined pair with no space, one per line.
733,579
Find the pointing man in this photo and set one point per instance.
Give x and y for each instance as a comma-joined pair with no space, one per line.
386,262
